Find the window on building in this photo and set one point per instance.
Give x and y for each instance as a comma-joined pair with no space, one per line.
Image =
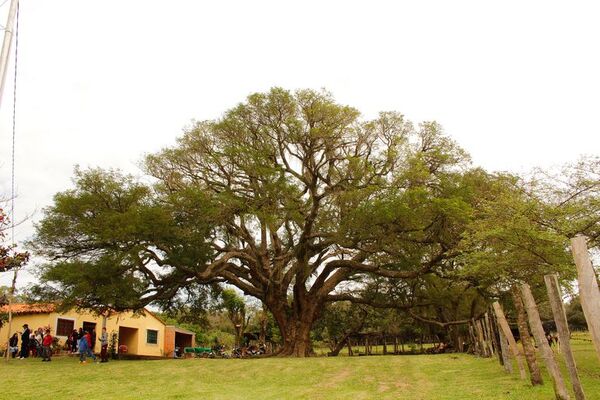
151,336
64,327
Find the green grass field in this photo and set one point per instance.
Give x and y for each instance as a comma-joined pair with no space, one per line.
446,376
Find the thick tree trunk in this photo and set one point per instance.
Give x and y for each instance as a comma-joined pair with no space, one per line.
528,348
296,340
295,326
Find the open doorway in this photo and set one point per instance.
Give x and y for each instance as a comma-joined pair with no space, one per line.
182,340
91,328
128,340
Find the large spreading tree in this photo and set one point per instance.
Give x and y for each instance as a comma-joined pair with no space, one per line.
290,197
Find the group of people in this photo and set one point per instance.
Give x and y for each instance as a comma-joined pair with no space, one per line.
83,342
37,343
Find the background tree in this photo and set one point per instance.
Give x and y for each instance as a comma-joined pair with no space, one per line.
235,307
338,322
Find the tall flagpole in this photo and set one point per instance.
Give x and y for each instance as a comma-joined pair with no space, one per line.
7,43
4,57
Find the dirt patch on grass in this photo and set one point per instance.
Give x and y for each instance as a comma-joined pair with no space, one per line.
335,380
397,386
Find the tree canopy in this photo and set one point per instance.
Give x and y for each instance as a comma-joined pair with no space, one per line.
299,202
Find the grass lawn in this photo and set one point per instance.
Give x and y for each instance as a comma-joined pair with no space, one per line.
446,376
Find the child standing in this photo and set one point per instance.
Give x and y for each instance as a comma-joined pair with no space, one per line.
14,344
47,346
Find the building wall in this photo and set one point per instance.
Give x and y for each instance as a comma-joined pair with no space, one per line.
141,323
33,320
169,341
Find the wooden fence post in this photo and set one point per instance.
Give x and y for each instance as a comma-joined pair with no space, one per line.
474,342
480,339
504,348
560,389
526,341
486,334
564,336
498,339
491,334
512,344
588,289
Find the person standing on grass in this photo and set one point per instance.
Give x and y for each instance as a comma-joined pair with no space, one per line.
34,345
88,337
104,346
25,342
47,346
39,336
93,339
74,340
13,344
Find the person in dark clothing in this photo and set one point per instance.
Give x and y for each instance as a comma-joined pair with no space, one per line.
104,346
80,333
25,342
34,346
93,338
74,340
13,344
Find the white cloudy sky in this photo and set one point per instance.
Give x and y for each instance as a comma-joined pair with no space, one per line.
100,83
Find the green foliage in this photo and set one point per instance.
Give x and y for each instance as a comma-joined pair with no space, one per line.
295,200
575,315
509,242
104,236
9,257
233,303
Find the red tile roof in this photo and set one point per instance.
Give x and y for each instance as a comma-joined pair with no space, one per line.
36,308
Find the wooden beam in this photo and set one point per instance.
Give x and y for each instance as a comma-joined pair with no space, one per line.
564,336
588,289
560,389
526,341
480,339
496,335
512,344
504,348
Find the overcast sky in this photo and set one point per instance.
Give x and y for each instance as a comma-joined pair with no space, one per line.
100,83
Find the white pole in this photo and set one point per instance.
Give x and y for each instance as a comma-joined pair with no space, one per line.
6,45
4,56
